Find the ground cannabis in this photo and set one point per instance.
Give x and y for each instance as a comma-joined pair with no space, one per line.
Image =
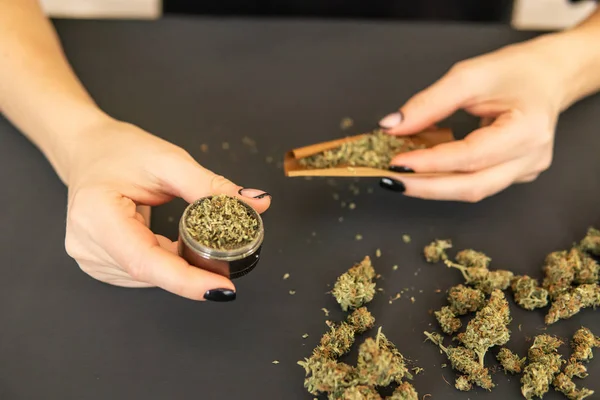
436,250
355,287
544,362
510,361
591,241
527,293
583,343
562,383
448,321
222,222
569,303
464,361
376,150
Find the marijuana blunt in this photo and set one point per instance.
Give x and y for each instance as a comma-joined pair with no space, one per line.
510,361
405,391
489,327
544,364
528,294
472,258
464,361
355,287
375,149
571,302
566,386
482,278
222,222
464,300
559,273
591,242
436,250
583,342
447,320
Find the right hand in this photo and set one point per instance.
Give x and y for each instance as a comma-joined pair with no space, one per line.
116,173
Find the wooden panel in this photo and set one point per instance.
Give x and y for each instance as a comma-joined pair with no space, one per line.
105,9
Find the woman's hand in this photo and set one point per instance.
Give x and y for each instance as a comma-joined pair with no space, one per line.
116,171
518,92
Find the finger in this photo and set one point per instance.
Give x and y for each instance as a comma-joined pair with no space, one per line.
431,105
468,187
111,275
485,147
190,181
144,212
137,250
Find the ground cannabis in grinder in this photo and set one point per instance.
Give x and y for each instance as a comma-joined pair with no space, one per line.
222,222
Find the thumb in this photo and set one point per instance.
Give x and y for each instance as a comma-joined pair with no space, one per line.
189,180
429,106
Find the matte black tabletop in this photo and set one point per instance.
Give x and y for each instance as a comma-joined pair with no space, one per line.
284,84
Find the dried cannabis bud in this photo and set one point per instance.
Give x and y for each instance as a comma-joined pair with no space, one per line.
405,391
583,343
570,303
361,320
489,327
510,361
472,258
464,300
355,287
591,242
447,320
566,386
575,368
337,341
324,375
436,250
585,267
222,222
482,278
360,392
380,363
559,274
528,294
464,361
462,383
375,149
544,364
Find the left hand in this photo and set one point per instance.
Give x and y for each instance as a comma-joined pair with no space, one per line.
517,92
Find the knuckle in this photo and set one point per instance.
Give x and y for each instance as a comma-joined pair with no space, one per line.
473,195
218,182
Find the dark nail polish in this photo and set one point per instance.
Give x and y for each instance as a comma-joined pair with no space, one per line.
401,169
392,184
220,295
251,192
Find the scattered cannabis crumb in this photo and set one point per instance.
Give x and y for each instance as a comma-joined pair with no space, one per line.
396,297
352,206
395,267
346,123
341,219
378,253
171,219
358,237
204,148
336,196
292,292
275,362
225,145
412,300
370,190
286,276
343,204
222,222
269,159
436,250
406,238
355,287
305,336
375,150
326,311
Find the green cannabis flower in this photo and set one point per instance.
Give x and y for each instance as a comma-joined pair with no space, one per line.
559,273
447,320
360,392
583,343
462,383
575,368
379,363
436,250
510,361
591,242
464,300
585,267
489,327
324,375
337,341
355,287
569,303
482,278
361,320
544,363
566,386
472,258
528,294
405,391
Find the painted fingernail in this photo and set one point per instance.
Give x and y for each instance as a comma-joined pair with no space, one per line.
400,169
392,184
220,295
253,193
392,120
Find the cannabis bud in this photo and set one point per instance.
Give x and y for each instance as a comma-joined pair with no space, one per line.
472,258
585,267
575,368
559,273
360,392
583,342
361,320
464,300
482,278
324,375
436,250
544,364
447,320
571,302
405,391
528,294
379,363
566,386
355,287
591,242
510,361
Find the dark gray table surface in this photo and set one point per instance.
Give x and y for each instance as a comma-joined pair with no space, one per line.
284,84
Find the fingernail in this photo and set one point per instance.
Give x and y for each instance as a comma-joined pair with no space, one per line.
392,120
392,184
400,169
253,193
220,295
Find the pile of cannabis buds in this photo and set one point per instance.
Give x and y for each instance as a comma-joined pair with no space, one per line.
571,283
